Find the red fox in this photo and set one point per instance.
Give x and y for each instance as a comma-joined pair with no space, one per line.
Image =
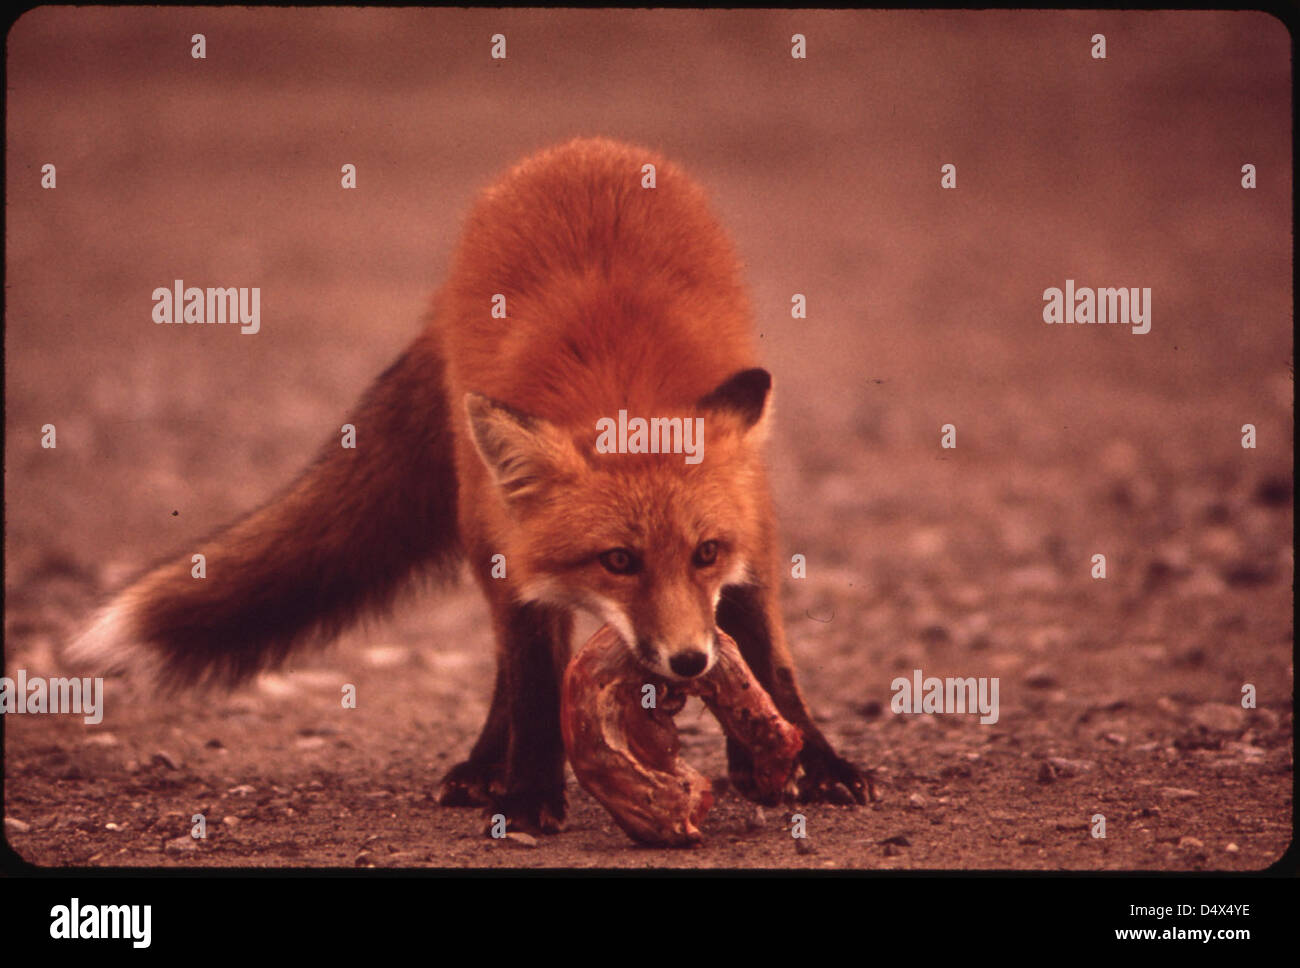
577,297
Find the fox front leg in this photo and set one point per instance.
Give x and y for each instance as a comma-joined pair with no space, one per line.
747,614
535,653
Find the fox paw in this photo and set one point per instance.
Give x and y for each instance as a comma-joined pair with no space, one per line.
471,784
530,813
830,778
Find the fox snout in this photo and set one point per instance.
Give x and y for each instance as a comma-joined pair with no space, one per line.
683,662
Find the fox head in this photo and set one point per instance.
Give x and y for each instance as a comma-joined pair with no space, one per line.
644,541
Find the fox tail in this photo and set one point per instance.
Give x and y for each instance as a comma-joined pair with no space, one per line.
338,543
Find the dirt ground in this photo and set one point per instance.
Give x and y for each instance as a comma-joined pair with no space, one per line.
1119,697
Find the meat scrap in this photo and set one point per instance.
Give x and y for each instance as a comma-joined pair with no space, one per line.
626,756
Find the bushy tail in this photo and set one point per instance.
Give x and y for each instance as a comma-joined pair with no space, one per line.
337,543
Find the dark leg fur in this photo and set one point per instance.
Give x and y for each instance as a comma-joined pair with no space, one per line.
746,614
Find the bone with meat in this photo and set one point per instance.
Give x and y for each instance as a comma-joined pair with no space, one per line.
626,755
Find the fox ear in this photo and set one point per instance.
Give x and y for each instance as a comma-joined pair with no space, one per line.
743,396
521,451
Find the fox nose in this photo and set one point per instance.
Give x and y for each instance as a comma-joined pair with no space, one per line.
688,663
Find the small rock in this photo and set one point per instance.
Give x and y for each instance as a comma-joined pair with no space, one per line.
242,790
802,845
180,845
935,635
898,840
309,742
112,826
15,826
1190,843
916,801
1232,848
1221,716
1275,491
1248,574
402,858
756,820
230,821
1067,768
1169,706
215,744
1040,678
104,738
163,758
1116,739
1266,717
1067,824
1180,793
521,839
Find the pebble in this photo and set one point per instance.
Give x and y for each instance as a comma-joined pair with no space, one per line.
181,845
164,758
916,801
1180,793
15,826
521,839
756,820
1220,716
1275,491
1064,767
1040,678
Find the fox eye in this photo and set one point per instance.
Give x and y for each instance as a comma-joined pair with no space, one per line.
706,554
620,561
